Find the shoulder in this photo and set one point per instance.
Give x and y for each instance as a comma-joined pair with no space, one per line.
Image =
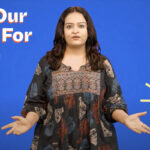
43,65
42,61
105,61
108,66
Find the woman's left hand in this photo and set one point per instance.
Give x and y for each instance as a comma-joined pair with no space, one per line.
133,122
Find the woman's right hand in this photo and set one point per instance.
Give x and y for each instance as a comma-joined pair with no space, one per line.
21,125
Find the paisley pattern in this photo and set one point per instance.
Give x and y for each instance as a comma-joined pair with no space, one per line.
109,69
38,70
93,136
74,107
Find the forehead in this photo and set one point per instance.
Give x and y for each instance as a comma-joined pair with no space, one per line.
74,17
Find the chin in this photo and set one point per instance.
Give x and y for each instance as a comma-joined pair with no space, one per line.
76,45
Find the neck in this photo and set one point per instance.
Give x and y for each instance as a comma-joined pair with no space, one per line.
73,51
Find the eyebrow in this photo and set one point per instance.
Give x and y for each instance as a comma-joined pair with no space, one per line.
73,23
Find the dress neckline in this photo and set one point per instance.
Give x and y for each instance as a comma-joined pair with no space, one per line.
82,67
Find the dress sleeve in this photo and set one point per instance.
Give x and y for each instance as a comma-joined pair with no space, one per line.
35,99
113,98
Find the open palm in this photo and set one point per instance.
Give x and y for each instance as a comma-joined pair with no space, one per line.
21,125
133,122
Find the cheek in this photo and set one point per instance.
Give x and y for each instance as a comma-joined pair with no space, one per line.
85,35
67,35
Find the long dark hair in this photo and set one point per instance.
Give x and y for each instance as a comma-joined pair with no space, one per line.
93,50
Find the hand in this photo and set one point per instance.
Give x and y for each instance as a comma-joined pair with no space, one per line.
21,125
133,122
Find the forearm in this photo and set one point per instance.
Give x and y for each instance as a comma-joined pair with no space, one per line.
32,117
119,115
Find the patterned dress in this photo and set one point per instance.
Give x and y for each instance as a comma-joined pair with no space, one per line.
75,107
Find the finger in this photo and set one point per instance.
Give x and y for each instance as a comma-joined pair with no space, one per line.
137,131
141,114
142,129
16,117
10,131
145,131
145,127
14,132
7,126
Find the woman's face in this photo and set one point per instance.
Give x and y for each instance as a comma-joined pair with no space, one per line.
75,29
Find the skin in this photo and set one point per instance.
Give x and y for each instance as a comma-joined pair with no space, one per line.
21,125
75,52
76,25
132,121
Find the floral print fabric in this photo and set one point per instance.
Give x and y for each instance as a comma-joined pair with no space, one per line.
74,107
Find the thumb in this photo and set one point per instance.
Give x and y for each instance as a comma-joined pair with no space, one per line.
141,113
16,117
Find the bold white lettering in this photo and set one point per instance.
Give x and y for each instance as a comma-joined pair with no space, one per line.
17,33
12,19
17,36
5,35
21,17
26,36
4,15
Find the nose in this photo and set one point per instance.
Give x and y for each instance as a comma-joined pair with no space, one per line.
75,29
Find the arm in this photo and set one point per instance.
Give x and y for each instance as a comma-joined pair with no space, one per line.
35,100
113,98
32,117
115,108
119,115
35,104
133,121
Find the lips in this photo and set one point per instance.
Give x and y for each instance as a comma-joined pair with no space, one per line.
75,37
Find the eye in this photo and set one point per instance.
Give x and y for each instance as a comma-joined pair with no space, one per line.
68,26
81,26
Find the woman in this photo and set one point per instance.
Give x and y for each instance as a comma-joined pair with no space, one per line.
74,96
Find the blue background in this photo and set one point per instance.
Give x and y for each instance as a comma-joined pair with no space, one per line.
123,29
